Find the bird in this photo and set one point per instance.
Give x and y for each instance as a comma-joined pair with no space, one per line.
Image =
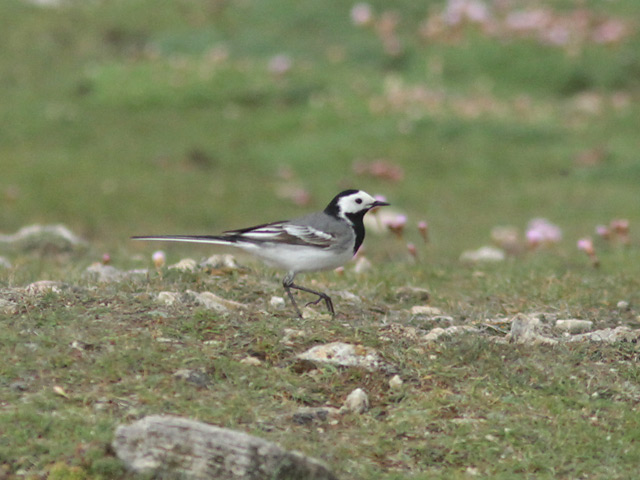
317,241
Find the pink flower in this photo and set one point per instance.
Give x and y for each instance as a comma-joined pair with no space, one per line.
541,231
586,245
423,228
397,224
159,258
361,14
603,232
280,64
413,251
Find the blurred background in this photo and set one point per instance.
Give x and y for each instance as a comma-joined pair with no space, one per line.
127,117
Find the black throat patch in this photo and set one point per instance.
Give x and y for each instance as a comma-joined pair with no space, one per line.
358,228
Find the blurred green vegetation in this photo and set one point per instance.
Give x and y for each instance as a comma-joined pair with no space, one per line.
128,117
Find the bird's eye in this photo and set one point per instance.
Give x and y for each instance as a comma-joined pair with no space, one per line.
358,201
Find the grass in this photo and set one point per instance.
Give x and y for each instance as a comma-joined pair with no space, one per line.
141,117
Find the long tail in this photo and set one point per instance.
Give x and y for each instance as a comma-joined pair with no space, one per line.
189,238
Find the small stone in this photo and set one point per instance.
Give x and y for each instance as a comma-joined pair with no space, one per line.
198,376
348,296
307,415
253,361
356,402
290,335
185,265
527,329
623,305
608,335
44,237
573,325
43,286
396,382
169,298
415,294
437,332
219,262
433,334
344,354
214,302
425,310
483,254
277,302
8,307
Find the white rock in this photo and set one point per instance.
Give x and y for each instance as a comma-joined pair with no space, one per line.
608,335
277,302
345,354
356,402
396,382
425,310
623,305
437,332
8,307
412,293
226,260
214,302
527,329
43,286
185,265
42,235
483,254
290,335
169,298
253,361
574,325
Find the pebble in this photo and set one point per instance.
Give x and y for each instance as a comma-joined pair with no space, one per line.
253,361
43,237
185,265
169,298
214,302
277,302
573,325
290,335
623,305
197,376
226,261
356,402
43,286
608,335
416,294
396,382
344,354
437,332
425,310
527,329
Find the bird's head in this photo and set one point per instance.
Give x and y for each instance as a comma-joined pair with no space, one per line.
352,203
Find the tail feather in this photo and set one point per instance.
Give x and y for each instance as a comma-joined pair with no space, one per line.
221,240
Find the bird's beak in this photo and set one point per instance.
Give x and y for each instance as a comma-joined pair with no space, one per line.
379,203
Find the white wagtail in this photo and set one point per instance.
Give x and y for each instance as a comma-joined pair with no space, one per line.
318,241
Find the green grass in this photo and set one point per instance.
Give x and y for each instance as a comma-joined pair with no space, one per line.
140,117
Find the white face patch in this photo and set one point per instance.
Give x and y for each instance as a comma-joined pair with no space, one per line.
354,203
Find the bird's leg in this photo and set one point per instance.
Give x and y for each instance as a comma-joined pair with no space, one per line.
288,285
